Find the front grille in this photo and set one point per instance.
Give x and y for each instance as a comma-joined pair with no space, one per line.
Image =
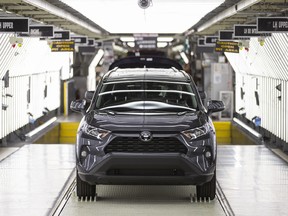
145,172
156,145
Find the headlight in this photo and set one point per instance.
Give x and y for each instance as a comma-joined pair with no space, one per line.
95,132
196,132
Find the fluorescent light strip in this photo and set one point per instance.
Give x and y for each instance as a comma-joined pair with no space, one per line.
131,44
41,127
127,39
165,39
162,44
178,48
184,57
252,131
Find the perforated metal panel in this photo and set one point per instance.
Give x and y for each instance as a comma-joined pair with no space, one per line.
34,81
261,70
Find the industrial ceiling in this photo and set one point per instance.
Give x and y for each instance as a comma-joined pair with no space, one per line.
63,16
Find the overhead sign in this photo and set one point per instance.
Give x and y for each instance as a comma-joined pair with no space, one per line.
80,39
145,41
91,42
61,35
247,31
98,44
201,42
229,35
14,25
226,35
211,40
40,31
63,46
272,24
227,46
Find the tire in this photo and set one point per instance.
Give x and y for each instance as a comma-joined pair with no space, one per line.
207,190
84,189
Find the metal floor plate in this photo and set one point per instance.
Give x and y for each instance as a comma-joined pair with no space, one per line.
142,200
32,178
253,179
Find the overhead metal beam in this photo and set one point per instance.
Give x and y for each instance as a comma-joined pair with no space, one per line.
61,13
235,19
227,13
43,16
70,26
27,12
54,20
10,1
267,7
20,7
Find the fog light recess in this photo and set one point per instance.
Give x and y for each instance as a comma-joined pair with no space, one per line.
208,154
83,154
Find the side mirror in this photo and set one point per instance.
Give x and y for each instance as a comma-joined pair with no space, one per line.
89,95
78,105
215,106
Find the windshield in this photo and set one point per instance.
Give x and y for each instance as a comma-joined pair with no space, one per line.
147,95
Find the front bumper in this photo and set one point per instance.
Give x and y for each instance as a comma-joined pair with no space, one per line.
143,168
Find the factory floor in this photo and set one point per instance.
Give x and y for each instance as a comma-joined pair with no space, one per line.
39,179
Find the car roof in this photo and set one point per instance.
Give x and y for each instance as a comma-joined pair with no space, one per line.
171,74
145,62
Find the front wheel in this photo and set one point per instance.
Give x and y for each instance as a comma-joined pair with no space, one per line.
84,189
207,190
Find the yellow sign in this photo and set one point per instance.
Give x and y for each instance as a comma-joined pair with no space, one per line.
227,46
63,46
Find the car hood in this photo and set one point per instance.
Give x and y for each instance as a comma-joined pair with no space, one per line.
146,121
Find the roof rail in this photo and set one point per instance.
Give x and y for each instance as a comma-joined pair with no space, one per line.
145,61
109,72
186,74
174,69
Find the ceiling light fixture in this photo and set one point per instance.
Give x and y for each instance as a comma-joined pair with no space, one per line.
127,39
131,44
165,39
178,48
162,44
184,57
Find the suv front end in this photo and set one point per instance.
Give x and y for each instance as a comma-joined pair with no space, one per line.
147,130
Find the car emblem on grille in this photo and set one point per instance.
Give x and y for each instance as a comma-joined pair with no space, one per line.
145,136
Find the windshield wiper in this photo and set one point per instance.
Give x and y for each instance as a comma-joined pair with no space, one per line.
107,112
184,112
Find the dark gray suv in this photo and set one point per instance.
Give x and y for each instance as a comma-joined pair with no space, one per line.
146,126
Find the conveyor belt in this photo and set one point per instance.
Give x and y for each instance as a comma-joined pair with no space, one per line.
70,191
69,197
251,181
